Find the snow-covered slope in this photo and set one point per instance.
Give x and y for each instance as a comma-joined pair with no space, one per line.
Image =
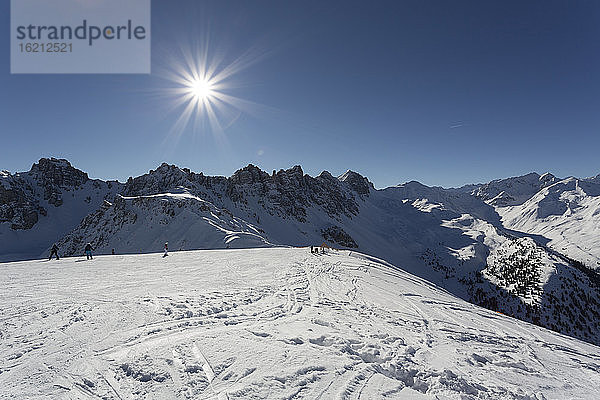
455,200
135,224
566,213
267,323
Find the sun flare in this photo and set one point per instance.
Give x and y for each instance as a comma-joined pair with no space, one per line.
201,89
200,84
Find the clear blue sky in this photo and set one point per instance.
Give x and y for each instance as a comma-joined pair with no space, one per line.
444,92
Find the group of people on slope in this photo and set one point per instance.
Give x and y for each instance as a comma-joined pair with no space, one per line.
87,250
315,250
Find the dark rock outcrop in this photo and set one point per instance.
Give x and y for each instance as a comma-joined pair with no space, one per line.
25,197
335,234
54,176
357,182
285,193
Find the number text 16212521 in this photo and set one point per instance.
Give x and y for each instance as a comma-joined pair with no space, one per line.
49,47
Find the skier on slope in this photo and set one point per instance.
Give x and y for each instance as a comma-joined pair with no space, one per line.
166,249
88,251
54,251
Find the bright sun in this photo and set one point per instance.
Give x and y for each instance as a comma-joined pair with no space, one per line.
201,89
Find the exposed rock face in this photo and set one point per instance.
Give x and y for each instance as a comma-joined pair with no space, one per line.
337,235
285,194
54,176
167,178
357,182
249,175
290,192
17,205
22,195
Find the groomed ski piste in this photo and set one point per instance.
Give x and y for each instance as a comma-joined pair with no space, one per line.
271,323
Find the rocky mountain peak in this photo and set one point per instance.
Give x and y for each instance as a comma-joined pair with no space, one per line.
294,174
291,177
357,182
249,174
325,175
289,193
166,168
165,178
295,170
547,179
58,172
55,175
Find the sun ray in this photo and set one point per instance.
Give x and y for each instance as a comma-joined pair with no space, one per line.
200,83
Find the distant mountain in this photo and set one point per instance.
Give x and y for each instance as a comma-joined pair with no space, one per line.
567,213
41,206
563,213
494,244
513,191
595,179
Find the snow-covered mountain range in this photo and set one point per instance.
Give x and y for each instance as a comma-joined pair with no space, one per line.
525,246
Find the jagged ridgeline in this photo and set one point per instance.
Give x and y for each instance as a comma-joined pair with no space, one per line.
524,246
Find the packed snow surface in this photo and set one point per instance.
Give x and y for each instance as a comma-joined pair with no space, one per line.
276,323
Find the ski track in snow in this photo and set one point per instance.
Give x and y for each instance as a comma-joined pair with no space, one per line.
267,323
